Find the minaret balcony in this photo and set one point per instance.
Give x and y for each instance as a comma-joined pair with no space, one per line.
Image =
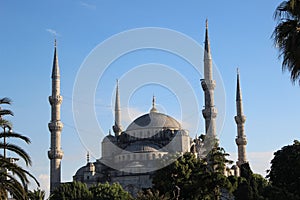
55,154
55,126
208,84
55,100
210,112
240,119
241,141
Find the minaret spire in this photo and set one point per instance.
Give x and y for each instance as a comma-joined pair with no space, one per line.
208,85
55,153
153,109
117,128
240,119
238,87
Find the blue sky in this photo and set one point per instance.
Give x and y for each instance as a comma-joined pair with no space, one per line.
240,35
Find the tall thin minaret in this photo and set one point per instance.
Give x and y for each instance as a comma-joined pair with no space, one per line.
117,128
208,85
55,153
240,119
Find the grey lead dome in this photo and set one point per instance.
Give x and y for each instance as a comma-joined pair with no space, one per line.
154,120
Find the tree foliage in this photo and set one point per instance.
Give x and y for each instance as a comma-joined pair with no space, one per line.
109,192
152,195
37,194
71,191
284,174
250,186
80,191
192,178
287,36
13,178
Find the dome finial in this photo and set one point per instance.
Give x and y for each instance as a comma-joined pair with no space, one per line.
153,109
88,157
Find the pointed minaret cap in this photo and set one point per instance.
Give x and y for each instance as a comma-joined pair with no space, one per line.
238,87
153,109
55,68
117,101
206,42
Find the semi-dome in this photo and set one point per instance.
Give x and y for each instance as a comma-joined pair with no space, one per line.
154,120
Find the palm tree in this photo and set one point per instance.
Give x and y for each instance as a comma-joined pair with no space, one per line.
17,180
37,194
4,112
287,36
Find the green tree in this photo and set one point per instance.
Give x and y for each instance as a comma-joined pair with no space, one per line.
109,192
192,178
151,195
71,191
250,186
217,183
284,174
178,179
4,112
287,36
13,178
37,194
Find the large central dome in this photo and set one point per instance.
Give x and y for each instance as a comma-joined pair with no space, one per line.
154,120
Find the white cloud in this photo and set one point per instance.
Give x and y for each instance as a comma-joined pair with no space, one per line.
259,161
45,183
51,31
88,6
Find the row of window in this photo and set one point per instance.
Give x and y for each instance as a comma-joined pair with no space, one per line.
139,156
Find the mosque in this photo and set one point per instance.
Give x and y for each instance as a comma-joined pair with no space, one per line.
132,155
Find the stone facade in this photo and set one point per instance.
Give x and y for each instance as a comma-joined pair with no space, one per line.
132,156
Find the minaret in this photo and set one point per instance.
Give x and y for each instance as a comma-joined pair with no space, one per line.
55,153
117,128
208,85
240,119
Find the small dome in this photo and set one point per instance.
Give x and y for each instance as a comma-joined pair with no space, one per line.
80,171
154,120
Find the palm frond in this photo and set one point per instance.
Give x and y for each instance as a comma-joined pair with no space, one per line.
6,112
5,123
17,150
286,37
15,170
15,135
5,100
